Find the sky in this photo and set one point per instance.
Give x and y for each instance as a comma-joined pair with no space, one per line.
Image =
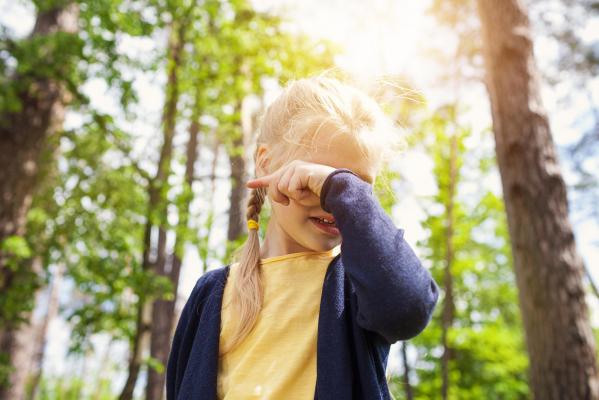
380,37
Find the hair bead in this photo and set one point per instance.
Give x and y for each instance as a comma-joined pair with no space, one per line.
252,224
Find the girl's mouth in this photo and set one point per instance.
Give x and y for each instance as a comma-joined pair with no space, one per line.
326,227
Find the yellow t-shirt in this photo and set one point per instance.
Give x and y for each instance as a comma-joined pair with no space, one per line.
277,360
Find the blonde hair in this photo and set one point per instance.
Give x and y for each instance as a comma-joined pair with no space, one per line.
291,125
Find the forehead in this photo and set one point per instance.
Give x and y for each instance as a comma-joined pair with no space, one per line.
342,152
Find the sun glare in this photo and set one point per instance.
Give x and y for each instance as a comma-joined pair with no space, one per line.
379,37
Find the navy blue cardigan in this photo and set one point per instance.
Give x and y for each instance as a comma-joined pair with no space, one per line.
375,293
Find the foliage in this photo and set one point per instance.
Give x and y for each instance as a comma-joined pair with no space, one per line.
91,210
486,335
92,205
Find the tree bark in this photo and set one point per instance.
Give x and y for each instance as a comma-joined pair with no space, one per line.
406,372
448,313
157,206
549,271
238,189
41,333
22,347
163,312
27,138
205,251
247,125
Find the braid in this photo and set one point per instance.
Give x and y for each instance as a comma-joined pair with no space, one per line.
255,203
247,286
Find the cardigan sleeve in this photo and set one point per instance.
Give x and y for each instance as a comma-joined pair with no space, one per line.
395,294
184,334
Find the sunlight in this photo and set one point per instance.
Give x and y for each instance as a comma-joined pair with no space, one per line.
379,37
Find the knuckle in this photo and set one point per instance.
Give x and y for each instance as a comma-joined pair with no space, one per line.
273,193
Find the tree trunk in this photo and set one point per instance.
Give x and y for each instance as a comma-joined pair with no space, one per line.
204,246
23,345
164,310
406,372
549,271
157,207
448,313
137,349
27,137
238,189
238,162
41,332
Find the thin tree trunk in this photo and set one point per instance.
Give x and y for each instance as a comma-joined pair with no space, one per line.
447,316
238,162
26,138
205,251
549,270
406,372
157,206
41,332
238,190
164,310
136,350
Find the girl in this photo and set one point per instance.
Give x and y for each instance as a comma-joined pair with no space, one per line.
310,313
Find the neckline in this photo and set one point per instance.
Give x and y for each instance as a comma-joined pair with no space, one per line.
324,253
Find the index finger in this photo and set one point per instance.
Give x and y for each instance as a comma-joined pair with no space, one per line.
258,182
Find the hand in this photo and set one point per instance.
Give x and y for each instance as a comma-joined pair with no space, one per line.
296,180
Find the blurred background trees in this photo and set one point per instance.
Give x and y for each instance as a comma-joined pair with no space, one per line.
126,130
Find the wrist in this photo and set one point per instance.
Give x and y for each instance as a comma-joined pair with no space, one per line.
327,183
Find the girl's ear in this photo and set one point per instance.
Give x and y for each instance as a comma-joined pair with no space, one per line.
262,160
